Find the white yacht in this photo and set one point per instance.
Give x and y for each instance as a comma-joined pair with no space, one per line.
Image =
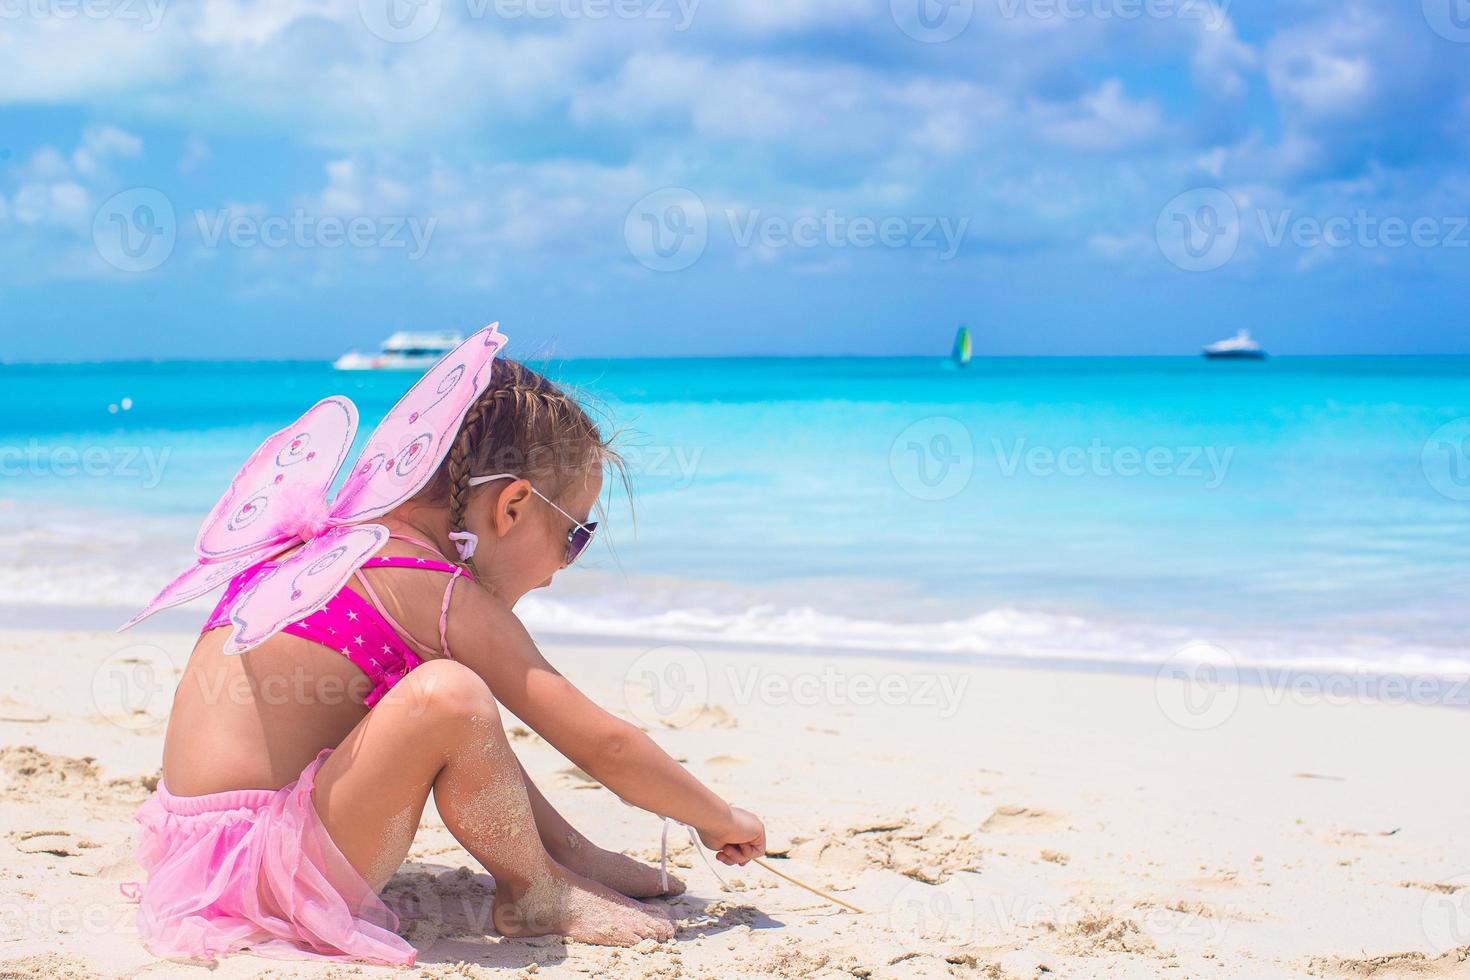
404,351
1239,347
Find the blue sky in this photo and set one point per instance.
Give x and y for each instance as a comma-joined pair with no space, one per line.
674,177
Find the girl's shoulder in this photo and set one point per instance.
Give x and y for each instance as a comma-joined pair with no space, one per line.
424,597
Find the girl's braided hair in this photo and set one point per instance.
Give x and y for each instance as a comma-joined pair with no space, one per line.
524,424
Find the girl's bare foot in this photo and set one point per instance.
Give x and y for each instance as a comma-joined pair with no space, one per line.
624,875
566,904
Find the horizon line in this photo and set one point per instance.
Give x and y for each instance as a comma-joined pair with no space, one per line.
710,357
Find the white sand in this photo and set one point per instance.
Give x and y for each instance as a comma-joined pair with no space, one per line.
1042,819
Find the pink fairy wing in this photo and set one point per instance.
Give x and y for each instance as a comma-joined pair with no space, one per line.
283,485
407,447
198,579
301,584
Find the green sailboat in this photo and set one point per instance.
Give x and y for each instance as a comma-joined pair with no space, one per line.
962,346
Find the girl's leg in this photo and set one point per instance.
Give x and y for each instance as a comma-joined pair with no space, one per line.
567,845
439,728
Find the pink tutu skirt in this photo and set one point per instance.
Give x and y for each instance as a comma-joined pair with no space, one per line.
255,869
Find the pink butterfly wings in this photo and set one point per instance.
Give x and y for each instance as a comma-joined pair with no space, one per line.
247,525
277,502
412,440
302,583
280,485
198,579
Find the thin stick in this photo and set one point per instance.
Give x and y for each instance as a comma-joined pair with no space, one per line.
801,884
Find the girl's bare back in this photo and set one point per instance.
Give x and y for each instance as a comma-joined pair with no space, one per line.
255,721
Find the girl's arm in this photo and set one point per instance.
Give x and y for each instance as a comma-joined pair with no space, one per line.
612,751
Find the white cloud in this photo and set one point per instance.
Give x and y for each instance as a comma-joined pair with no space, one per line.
1117,247
787,15
85,59
64,203
53,196
1320,82
196,155
100,144
226,23
109,141
47,163
1104,119
535,137
1221,60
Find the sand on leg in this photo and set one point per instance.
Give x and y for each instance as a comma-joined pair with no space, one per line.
619,872
439,729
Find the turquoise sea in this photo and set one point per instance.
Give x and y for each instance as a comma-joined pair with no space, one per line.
1306,511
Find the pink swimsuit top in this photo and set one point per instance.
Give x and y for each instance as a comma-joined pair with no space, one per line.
359,626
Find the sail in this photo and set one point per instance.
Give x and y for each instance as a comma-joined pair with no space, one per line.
962,346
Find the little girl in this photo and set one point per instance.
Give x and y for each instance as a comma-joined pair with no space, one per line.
295,775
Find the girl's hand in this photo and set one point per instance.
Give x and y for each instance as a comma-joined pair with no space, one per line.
743,840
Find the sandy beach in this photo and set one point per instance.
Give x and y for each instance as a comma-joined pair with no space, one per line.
992,822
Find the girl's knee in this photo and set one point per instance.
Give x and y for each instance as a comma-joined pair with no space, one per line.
448,692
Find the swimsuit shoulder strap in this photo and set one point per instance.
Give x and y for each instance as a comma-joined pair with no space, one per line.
435,564
403,561
453,571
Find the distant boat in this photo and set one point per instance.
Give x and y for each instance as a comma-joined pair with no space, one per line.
1238,348
962,346
404,351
